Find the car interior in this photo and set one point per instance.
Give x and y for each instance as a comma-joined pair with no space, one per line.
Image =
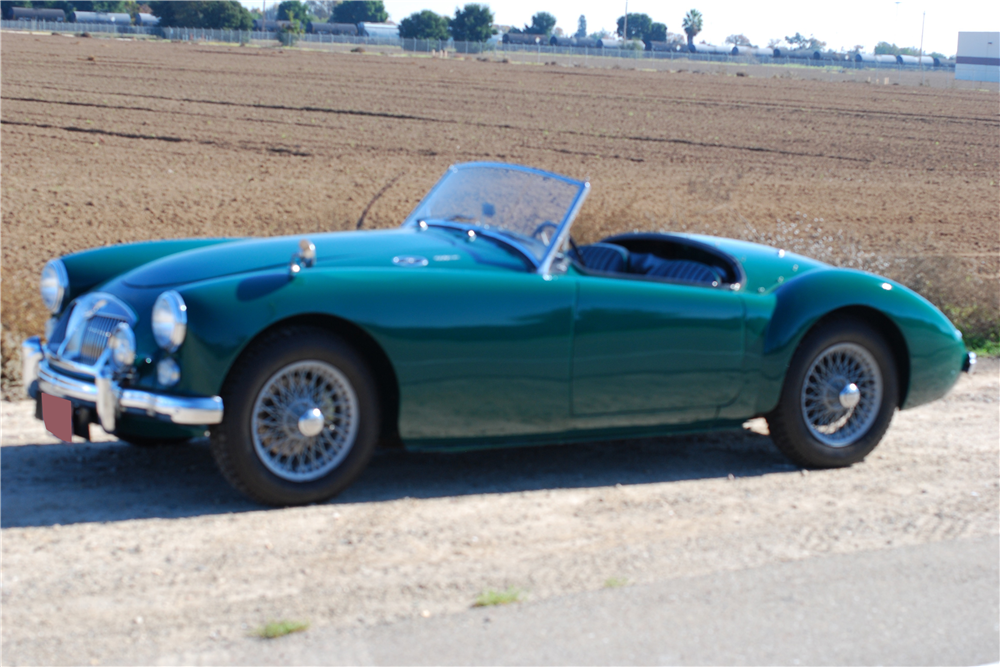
658,257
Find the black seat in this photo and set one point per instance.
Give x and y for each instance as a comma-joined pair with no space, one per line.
648,264
605,257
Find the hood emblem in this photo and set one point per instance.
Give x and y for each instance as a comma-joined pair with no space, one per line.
409,261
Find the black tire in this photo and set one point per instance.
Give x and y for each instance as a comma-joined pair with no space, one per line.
233,444
788,422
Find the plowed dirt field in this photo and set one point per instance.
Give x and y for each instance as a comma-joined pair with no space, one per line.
108,141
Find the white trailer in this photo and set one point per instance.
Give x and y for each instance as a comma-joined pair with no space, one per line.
978,56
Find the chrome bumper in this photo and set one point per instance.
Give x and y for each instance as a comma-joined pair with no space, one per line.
970,363
110,399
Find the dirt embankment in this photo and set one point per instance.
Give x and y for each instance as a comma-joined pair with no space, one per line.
114,141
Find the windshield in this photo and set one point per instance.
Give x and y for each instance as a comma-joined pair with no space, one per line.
530,208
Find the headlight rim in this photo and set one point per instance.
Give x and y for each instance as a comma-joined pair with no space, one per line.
173,304
62,280
122,332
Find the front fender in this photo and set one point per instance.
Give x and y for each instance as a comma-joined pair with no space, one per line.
933,345
226,314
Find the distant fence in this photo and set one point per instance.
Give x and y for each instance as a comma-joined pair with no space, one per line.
421,45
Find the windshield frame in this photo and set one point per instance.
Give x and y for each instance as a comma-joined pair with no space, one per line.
542,266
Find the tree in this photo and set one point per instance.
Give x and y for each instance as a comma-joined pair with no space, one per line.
638,26
473,23
657,33
581,27
692,25
676,40
810,42
218,15
739,40
424,25
885,48
542,23
321,9
360,11
292,10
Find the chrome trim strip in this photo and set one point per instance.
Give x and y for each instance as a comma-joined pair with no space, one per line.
545,268
31,356
110,399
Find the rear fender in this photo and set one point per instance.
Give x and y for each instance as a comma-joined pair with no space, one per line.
933,347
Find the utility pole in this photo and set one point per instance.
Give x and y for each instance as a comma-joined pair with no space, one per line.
922,22
625,25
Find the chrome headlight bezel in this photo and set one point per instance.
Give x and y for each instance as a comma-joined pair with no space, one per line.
169,320
54,284
122,345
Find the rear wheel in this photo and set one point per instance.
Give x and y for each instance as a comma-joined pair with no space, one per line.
839,396
301,418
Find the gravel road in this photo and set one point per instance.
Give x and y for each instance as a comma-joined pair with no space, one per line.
114,554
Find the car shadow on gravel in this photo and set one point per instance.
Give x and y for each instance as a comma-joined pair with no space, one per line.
50,484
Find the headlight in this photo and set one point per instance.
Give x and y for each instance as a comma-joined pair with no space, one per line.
122,344
54,284
169,320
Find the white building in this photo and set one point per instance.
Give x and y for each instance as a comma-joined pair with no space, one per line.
978,57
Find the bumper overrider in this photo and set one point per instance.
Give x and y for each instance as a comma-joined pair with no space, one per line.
108,398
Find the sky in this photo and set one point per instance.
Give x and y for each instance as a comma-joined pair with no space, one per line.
839,23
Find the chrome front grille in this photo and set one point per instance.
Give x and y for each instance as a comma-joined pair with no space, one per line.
95,337
92,318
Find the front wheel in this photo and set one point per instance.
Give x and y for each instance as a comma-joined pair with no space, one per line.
839,396
301,418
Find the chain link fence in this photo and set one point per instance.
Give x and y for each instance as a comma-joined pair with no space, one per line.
495,48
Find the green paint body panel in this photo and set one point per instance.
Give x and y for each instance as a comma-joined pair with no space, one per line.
487,353
650,346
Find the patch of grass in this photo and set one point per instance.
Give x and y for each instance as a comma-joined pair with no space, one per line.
490,598
983,346
276,629
615,582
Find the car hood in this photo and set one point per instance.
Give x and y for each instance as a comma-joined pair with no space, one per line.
435,248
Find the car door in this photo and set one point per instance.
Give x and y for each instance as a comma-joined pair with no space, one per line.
672,351
478,354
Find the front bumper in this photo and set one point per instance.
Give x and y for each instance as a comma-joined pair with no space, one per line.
108,398
969,365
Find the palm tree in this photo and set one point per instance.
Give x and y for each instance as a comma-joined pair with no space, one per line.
692,25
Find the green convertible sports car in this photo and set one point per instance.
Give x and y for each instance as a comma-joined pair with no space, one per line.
478,322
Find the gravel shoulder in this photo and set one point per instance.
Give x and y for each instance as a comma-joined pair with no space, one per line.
114,554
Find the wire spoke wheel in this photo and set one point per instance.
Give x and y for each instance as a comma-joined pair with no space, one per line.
305,420
841,394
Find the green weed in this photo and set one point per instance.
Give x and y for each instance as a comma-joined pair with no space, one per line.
276,629
490,598
615,582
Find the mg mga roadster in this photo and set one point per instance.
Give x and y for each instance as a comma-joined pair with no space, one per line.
479,322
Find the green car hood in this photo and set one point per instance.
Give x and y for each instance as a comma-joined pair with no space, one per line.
437,247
